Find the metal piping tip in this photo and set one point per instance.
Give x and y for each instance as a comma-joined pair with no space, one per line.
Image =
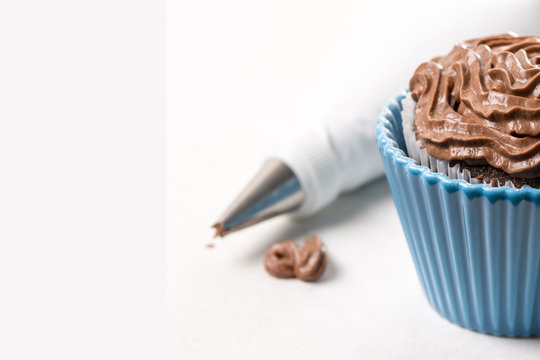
273,191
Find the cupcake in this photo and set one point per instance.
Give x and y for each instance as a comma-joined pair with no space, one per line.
461,152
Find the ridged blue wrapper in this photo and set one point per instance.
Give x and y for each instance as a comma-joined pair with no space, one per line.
476,248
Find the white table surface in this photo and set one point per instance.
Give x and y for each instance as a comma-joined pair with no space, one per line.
241,75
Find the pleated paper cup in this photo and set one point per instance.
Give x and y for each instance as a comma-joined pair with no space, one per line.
476,248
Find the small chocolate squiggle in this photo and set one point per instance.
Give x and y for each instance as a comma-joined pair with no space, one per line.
287,260
281,258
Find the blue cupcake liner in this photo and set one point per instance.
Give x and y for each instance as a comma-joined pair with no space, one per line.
476,248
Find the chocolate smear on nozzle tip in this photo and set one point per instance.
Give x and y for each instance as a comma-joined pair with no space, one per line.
220,230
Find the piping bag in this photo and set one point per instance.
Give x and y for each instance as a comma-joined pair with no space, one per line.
309,173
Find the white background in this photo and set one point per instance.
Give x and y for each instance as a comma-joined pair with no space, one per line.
242,76
82,179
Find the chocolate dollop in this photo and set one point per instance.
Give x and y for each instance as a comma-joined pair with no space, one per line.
281,258
286,260
480,103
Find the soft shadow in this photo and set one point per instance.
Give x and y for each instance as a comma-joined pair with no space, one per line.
339,212
331,272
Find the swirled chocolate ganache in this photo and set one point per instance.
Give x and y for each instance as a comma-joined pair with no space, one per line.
479,105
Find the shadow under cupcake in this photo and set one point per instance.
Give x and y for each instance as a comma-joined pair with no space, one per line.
461,152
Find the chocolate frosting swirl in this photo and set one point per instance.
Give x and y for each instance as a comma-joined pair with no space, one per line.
481,104
286,260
